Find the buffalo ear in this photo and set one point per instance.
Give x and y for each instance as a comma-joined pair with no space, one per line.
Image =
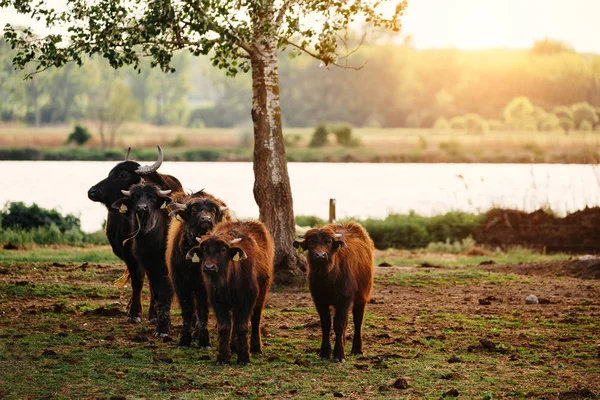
299,245
192,255
121,205
339,244
237,254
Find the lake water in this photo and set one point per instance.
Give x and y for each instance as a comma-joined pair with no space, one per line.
361,190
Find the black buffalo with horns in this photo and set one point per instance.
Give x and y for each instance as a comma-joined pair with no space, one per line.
118,228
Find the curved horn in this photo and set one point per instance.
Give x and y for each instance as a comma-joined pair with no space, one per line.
301,236
236,240
338,235
198,239
148,169
223,209
126,192
128,154
179,205
164,193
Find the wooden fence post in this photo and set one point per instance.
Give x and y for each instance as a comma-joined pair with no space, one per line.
332,211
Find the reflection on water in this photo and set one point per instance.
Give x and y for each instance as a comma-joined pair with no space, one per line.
361,190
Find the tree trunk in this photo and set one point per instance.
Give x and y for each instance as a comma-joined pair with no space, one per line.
272,190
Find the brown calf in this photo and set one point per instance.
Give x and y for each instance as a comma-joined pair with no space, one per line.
237,265
195,215
340,274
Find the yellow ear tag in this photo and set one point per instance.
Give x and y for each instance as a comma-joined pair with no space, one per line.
123,209
236,257
195,258
164,205
178,218
300,250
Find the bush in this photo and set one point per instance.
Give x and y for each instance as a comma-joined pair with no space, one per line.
455,247
586,126
550,122
441,124
292,140
27,217
179,141
309,220
584,112
474,123
495,125
519,114
566,124
458,123
563,112
343,133
79,136
319,137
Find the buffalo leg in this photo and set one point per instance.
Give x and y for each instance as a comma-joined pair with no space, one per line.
339,326
163,295
136,273
240,323
255,342
325,317
358,313
152,310
201,331
186,301
224,324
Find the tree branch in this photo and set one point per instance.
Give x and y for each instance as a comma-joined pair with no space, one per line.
316,56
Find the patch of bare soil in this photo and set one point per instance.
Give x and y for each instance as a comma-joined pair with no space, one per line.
584,267
576,233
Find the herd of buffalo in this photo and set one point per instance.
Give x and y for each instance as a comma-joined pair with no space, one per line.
190,244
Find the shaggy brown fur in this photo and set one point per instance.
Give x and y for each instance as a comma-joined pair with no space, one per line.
340,274
203,211
238,275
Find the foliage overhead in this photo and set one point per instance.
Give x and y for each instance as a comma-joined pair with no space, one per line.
229,31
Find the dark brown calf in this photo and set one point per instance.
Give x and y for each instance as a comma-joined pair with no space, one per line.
145,205
195,215
237,265
340,274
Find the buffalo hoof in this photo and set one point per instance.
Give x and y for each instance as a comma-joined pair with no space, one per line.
134,320
183,347
324,358
340,360
220,363
160,334
356,352
244,363
205,348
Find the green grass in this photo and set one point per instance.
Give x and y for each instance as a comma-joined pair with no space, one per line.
448,277
90,254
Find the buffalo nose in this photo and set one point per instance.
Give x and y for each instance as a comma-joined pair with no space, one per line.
205,218
93,193
321,254
210,268
142,207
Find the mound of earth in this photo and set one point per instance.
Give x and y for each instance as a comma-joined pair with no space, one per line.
586,267
577,233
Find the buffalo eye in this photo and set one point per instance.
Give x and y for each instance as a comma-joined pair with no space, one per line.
311,242
123,174
223,250
328,241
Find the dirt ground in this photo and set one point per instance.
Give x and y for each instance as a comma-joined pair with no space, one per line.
447,332
576,233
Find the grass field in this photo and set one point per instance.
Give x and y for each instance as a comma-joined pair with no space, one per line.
377,145
434,330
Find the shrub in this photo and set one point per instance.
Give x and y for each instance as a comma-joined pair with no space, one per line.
519,113
292,140
179,141
309,220
79,136
586,126
584,112
319,137
550,122
343,133
474,123
563,112
441,124
566,124
495,125
454,247
458,123
26,217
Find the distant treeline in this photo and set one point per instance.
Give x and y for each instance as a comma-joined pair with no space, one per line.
399,86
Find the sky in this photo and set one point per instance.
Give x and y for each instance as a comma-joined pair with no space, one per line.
478,24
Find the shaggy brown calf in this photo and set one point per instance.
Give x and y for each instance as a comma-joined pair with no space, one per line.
237,265
118,225
340,274
145,205
195,214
